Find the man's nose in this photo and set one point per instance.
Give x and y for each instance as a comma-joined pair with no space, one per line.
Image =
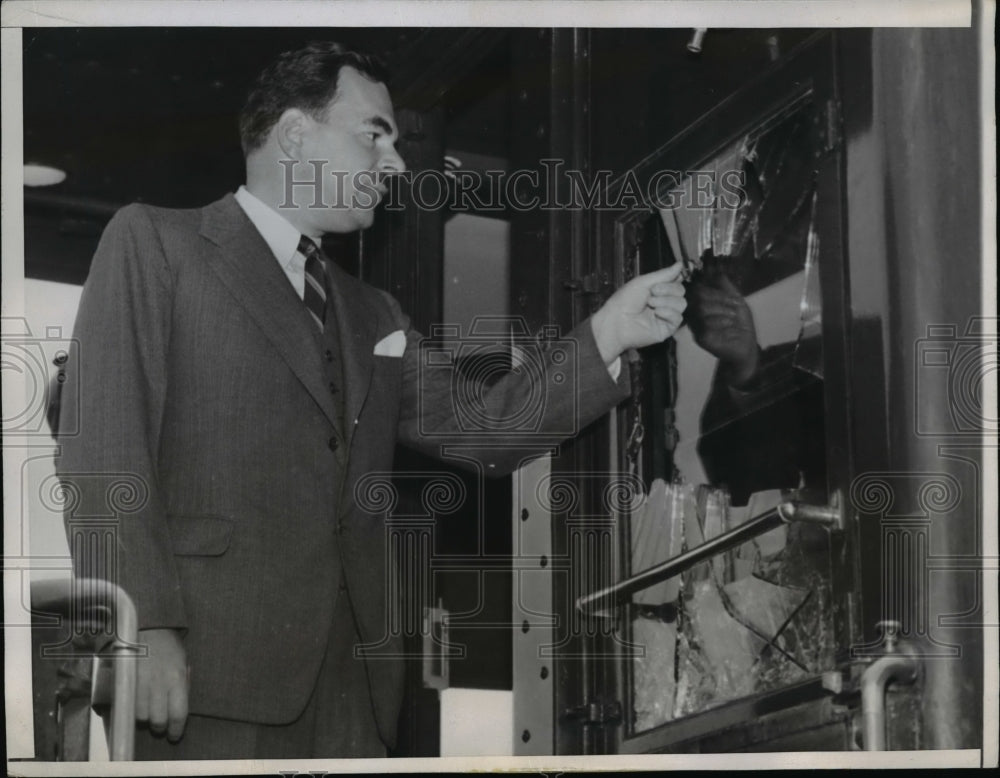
391,162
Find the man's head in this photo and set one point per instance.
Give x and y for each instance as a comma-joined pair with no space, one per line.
320,112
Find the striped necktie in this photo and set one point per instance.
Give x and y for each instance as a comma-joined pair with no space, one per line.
317,287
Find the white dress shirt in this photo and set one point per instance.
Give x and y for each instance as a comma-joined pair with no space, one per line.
279,234
283,239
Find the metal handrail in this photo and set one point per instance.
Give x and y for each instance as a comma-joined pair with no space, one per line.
899,664
790,510
72,597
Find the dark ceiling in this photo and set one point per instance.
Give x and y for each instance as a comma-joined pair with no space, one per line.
150,115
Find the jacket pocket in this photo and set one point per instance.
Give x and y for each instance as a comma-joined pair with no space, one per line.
200,535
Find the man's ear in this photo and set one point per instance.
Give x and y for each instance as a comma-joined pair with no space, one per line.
289,131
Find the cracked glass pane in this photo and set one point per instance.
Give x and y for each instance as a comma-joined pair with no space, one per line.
734,409
750,620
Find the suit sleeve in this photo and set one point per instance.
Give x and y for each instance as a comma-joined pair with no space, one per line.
113,400
501,423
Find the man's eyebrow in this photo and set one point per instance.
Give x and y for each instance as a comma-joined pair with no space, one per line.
382,124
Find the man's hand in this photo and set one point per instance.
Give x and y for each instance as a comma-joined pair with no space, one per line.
646,310
161,693
722,324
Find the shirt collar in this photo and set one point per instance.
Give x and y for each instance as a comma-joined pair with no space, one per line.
279,233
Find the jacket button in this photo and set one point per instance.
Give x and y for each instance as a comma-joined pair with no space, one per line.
333,388
333,444
329,355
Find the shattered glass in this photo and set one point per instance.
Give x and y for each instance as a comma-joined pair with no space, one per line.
758,617
753,207
756,633
750,620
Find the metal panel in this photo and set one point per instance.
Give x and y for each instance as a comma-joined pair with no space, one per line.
551,260
532,611
924,242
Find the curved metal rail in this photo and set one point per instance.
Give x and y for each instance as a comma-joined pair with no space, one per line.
104,601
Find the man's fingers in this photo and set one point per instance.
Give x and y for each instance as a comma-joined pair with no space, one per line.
717,321
669,315
668,312
672,288
177,711
706,291
710,318
727,286
161,698
667,274
157,708
730,304
714,297
717,306
142,695
667,301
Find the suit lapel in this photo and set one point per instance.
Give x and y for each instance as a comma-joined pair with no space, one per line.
247,267
356,326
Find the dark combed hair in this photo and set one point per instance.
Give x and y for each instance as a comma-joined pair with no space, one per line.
305,78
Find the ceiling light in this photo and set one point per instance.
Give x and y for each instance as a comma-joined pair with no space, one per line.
43,175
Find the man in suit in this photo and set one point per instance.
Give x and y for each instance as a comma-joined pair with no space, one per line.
247,386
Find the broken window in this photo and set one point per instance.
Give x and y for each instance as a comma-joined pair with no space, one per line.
732,414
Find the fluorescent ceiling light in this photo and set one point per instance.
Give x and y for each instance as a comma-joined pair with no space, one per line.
43,175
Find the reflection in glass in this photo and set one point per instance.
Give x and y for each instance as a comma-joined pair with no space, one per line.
733,408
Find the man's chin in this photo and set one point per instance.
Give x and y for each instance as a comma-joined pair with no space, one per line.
351,221
364,217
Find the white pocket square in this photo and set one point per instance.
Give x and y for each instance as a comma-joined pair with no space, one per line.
392,345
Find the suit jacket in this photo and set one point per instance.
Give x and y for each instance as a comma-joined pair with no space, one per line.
198,377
